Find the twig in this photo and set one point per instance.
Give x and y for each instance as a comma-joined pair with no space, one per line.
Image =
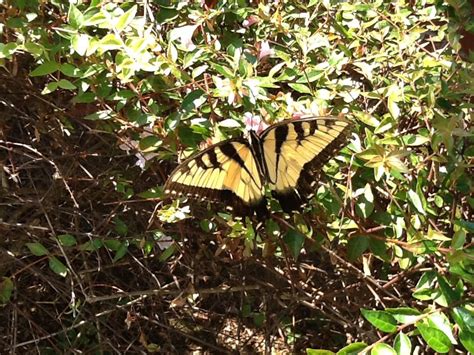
161,292
58,172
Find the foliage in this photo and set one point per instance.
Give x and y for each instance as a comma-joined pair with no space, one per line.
165,77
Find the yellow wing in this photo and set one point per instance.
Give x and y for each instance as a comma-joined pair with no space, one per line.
226,172
294,150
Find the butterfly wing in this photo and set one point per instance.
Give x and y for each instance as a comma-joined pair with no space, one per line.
226,172
295,150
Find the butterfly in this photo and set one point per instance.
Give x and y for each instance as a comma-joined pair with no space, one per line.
286,156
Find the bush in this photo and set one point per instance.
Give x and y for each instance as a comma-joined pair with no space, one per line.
145,82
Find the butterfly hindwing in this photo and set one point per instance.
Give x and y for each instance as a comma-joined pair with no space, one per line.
295,151
226,172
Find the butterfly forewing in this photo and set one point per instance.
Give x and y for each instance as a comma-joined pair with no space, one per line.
226,172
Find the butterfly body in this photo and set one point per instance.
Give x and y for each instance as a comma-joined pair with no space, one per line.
285,156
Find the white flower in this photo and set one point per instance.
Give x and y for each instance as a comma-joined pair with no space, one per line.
254,122
265,50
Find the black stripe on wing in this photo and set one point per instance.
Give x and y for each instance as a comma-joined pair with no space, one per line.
203,177
303,133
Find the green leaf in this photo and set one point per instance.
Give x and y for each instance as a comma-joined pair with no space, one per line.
459,239
294,240
150,143
402,344
367,119
379,248
435,338
57,266
404,314
468,225
100,115
387,124
92,245
110,42
6,290
193,100
441,322
34,48
447,291
225,71
112,244
383,349
464,318
318,352
7,49
258,319
301,88
126,18
75,17
382,320
37,249
66,84
352,349
70,70
365,202
392,104
167,253
67,240
45,69
415,199
122,250
50,87
166,14
467,340
98,19
414,140
120,227
356,246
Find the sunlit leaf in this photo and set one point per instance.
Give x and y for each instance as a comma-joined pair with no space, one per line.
193,100
319,352
415,199
80,43
352,349
126,18
464,318
402,344
381,320
383,349
304,89
467,340
110,42
404,314
75,17
435,338
100,115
